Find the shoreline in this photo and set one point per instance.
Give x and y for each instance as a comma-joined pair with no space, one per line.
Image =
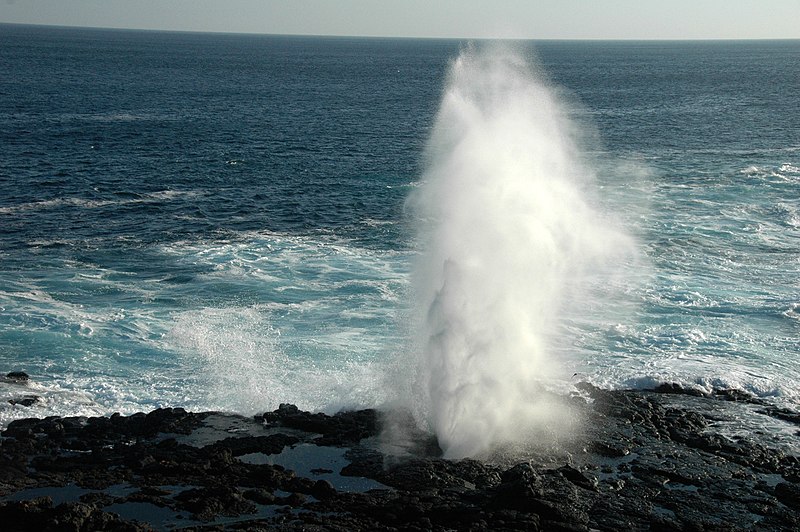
664,459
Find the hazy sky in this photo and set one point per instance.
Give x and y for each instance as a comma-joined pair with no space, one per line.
535,19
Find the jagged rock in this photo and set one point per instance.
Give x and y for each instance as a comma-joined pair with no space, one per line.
610,450
207,503
272,444
782,413
259,496
17,376
343,428
323,489
674,387
579,479
39,514
788,494
25,400
645,461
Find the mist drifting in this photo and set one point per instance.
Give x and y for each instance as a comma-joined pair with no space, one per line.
507,232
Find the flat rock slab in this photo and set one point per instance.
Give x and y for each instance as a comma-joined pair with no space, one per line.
659,460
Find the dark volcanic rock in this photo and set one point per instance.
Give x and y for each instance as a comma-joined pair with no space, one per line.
25,400
782,413
40,515
789,494
272,444
645,461
207,503
344,428
17,376
578,478
676,388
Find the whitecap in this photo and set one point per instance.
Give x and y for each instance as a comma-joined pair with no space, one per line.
793,312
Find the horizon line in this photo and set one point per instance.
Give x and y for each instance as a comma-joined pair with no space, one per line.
419,37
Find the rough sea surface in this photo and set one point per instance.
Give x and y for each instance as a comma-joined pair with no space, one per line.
221,221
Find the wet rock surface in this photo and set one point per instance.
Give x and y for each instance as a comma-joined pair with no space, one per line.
670,459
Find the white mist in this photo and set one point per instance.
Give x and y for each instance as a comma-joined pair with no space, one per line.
507,233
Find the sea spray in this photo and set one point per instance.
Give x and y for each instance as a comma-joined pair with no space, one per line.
507,231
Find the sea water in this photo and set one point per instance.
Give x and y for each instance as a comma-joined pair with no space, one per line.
229,222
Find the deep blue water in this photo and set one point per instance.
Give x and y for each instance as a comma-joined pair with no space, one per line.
220,221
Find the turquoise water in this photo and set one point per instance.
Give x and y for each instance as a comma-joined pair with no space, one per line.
222,222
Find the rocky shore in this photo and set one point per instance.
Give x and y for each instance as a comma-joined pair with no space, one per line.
665,459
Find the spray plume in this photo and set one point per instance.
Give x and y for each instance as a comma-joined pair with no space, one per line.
507,232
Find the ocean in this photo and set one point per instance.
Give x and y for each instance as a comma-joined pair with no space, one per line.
231,222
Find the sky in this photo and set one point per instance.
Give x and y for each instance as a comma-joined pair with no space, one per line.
517,19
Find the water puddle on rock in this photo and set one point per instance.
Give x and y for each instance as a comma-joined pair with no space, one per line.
317,463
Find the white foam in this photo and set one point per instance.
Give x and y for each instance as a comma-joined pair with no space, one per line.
52,400
246,370
84,203
789,168
317,333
